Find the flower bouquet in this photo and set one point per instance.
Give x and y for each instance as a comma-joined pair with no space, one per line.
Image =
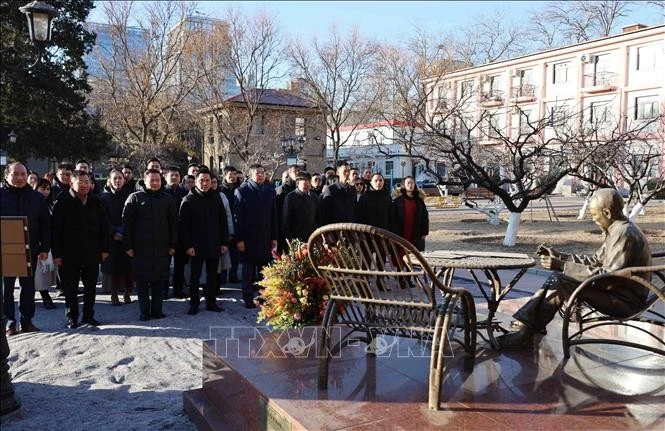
293,294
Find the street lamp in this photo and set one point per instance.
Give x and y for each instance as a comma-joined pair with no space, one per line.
40,23
292,146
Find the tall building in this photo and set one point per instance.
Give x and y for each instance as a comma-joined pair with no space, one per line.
102,51
616,83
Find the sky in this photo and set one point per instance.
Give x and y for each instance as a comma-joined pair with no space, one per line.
386,20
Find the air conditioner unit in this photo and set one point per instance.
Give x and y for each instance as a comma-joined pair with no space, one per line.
587,58
483,79
516,73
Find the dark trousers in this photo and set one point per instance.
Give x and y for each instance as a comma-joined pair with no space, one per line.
210,289
543,306
72,274
179,262
251,272
231,275
26,302
122,283
150,307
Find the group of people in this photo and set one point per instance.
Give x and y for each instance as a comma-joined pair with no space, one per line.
134,230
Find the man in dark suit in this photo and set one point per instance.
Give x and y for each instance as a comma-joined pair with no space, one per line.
338,201
256,227
18,199
80,243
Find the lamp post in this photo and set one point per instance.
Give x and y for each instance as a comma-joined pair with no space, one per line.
292,146
40,23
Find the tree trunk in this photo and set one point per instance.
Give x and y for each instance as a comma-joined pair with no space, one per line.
585,205
513,228
638,208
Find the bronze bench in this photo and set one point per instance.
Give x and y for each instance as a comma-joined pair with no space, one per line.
588,319
381,285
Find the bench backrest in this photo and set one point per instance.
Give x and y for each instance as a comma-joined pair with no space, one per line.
370,271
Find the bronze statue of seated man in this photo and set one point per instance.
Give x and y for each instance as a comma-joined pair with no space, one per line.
624,246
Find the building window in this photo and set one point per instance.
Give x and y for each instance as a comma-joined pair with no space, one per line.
258,125
646,58
300,126
601,113
523,122
646,108
467,89
558,117
389,168
598,72
493,126
560,73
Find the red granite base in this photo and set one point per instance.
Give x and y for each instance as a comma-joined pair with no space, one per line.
249,383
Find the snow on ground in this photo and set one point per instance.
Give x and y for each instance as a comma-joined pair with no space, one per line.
123,375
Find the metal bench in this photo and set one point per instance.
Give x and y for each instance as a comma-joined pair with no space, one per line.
382,286
588,319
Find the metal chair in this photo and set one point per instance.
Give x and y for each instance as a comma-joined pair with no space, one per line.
381,285
587,318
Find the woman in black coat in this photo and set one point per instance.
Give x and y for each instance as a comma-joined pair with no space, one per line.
410,217
118,267
374,205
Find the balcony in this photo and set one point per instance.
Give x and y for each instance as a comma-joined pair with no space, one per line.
492,98
524,93
600,82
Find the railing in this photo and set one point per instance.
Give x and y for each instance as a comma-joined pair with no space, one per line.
600,79
491,96
524,90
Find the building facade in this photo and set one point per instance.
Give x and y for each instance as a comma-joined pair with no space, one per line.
615,83
278,114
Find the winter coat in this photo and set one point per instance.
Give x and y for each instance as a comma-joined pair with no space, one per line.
177,193
150,228
228,189
118,262
300,216
27,202
374,209
57,187
202,223
338,204
421,227
80,232
256,220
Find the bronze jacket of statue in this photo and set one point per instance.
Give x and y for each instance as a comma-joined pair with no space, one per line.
625,246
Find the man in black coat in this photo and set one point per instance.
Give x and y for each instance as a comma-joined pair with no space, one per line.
338,201
150,226
177,192
301,215
80,243
256,227
18,199
204,235
62,179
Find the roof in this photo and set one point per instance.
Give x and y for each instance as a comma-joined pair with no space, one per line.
277,97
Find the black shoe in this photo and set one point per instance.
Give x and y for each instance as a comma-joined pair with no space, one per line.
11,331
180,295
214,307
91,321
46,300
234,279
28,326
61,294
520,340
193,309
144,318
72,324
158,316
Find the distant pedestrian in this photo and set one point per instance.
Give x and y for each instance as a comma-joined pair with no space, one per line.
150,225
17,198
228,187
177,191
256,228
80,244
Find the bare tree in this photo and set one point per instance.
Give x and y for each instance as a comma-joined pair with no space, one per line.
333,74
630,164
523,159
411,76
486,39
563,23
147,75
249,49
